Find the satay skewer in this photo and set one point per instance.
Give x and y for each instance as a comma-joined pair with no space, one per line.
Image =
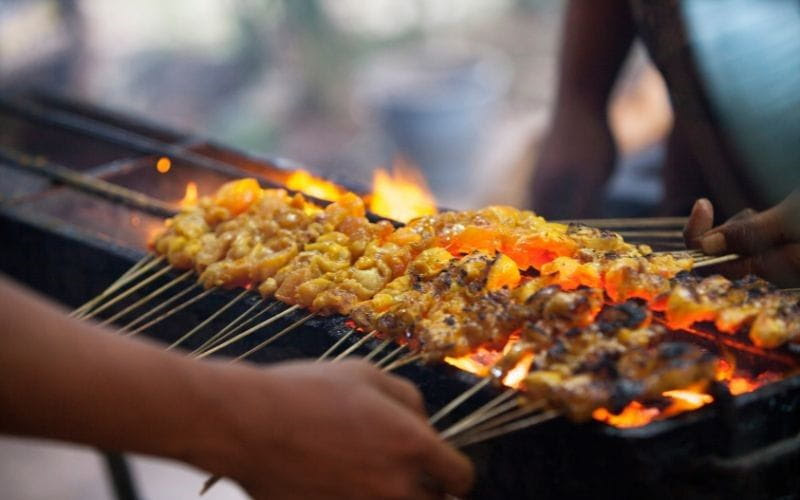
208,320
276,336
386,359
335,346
716,260
524,423
247,332
94,312
458,400
235,326
147,298
483,410
172,311
380,347
630,222
405,360
151,312
115,285
363,340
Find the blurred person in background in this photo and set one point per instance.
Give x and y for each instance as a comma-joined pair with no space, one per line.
734,82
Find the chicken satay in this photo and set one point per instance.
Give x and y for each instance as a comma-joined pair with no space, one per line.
474,307
776,325
256,243
622,376
180,241
316,268
385,259
730,305
395,309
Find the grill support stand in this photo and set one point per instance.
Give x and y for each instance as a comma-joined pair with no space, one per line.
119,473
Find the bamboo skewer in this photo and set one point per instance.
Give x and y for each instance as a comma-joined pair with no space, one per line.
275,337
110,288
335,346
630,222
512,427
208,320
147,298
515,413
716,260
234,326
158,308
405,360
455,403
651,234
483,411
363,340
172,311
386,359
377,350
236,330
126,293
247,332
474,421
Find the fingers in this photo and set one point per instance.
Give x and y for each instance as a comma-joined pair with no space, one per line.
448,467
780,265
742,214
749,233
700,221
400,390
745,235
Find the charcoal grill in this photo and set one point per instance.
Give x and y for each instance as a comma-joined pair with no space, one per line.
79,199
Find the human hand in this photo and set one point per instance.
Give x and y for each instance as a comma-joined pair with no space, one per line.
576,160
344,430
768,241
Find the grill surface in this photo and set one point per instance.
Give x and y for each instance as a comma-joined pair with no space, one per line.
69,241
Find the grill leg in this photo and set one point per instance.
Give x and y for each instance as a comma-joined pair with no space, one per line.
120,475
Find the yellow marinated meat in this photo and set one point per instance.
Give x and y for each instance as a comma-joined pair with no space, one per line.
395,309
323,263
255,244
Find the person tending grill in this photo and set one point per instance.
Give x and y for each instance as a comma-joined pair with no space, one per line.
294,430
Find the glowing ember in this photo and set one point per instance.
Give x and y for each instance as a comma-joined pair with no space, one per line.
306,183
739,384
401,195
634,415
190,196
518,373
478,362
163,165
688,400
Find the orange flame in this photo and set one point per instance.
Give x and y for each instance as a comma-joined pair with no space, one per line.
634,415
163,165
190,196
737,383
401,195
637,414
306,183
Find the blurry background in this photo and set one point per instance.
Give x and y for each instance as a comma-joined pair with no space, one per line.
460,88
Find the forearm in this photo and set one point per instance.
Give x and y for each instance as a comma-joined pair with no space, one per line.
65,379
596,40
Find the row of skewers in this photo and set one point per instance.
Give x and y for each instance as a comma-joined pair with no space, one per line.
576,300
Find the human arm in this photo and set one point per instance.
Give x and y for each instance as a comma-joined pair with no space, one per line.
578,153
768,241
294,430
